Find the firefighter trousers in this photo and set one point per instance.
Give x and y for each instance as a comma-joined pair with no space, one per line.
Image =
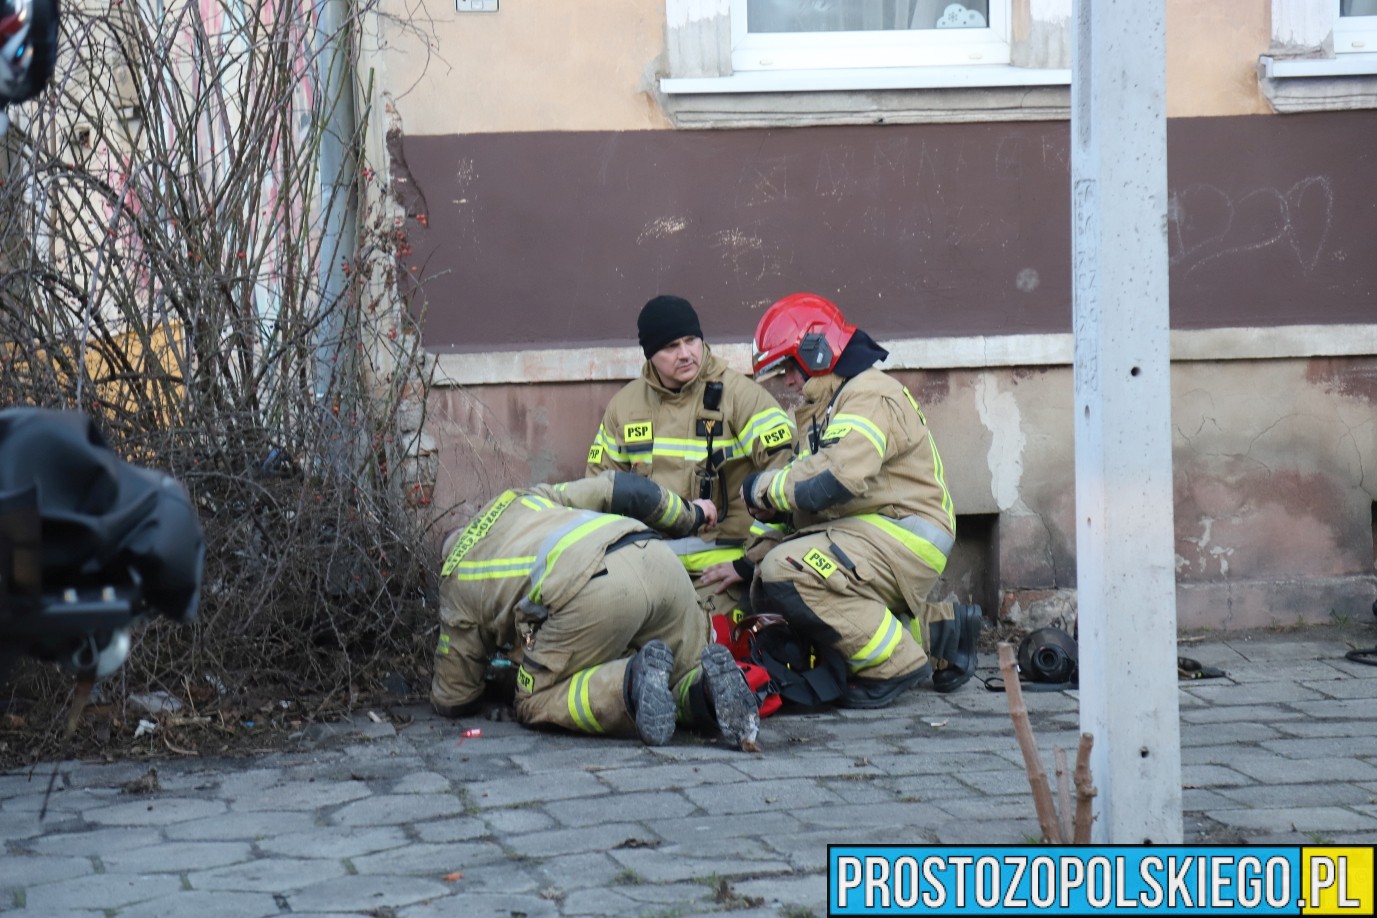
574,670
842,594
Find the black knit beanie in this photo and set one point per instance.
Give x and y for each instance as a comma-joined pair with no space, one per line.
665,319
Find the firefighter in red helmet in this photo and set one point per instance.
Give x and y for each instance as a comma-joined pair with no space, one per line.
873,520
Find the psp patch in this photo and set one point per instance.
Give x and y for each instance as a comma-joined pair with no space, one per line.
819,562
638,432
776,436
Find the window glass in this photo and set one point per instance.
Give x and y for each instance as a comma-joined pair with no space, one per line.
765,16
1357,7
822,34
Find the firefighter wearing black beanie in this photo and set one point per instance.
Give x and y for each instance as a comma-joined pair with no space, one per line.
665,319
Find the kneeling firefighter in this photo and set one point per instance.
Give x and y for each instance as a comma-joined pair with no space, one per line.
873,519
601,618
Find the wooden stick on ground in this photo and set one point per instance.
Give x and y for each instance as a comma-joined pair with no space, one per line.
1037,776
1085,790
1063,792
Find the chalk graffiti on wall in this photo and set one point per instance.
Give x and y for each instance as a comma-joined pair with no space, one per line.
1207,225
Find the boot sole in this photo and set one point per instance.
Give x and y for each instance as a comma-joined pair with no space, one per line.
736,706
654,701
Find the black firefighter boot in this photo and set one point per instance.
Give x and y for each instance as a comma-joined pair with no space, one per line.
734,706
648,697
955,641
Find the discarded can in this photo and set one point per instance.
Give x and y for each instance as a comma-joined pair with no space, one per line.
471,733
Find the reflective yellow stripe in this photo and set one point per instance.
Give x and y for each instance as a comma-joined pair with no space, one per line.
474,531
675,508
569,539
580,708
702,560
681,707
881,645
604,444
494,568
845,423
939,470
928,553
776,492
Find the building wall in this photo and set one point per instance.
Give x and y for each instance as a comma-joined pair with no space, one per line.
550,188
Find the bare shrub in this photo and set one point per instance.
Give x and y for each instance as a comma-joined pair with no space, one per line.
191,251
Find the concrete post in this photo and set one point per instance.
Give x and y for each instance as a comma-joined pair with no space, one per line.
1125,552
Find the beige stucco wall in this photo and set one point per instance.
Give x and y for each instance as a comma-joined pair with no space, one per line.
1212,54
535,65
555,65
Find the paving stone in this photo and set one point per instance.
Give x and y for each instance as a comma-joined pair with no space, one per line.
1346,687
434,861
752,796
483,905
1213,776
179,858
269,875
952,763
204,905
247,826
1271,796
19,870
568,841
1326,820
396,809
1242,713
154,811
526,789
337,843
671,863
862,788
569,872
673,777
1215,734
1324,748
423,782
614,755
355,894
803,892
62,800
298,796
463,828
98,891
518,821
587,811
1252,693
1353,709
87,841
1277,770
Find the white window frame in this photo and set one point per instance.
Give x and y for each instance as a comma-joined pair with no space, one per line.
1355,34
803,51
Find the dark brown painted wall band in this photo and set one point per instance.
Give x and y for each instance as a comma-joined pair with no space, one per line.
551,239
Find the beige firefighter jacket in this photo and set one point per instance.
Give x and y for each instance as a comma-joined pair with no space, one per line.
529,551
663,435
869,466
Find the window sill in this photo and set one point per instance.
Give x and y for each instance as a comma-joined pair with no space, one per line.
1341,83
854,79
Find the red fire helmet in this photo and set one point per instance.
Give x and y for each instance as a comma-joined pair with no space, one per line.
803,326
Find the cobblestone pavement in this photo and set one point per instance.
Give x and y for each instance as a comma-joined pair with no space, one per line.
371,819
